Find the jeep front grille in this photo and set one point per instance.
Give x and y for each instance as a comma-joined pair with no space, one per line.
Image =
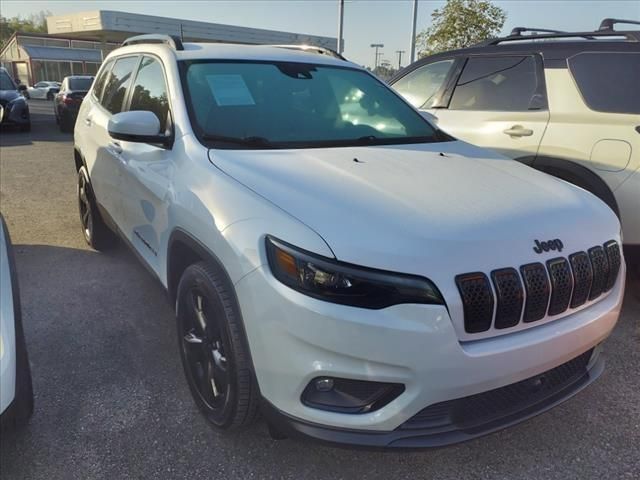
536,290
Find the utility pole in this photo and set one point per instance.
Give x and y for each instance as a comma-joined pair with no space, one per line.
412,55
400,52
340,25
377,46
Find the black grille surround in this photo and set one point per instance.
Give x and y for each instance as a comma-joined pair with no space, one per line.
561,285
510,297
544,290
477,299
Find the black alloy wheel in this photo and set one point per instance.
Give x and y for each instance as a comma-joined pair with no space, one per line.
204,345
85,207
213,350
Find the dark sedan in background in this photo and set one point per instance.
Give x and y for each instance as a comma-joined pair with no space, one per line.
67,102
13,107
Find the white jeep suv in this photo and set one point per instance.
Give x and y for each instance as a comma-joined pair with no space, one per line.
335,261
567,104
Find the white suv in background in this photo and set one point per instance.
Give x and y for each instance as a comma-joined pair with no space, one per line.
335,261
565,103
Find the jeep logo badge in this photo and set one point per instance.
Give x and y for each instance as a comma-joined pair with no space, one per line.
548,245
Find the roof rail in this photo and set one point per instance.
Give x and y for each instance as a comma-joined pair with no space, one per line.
171,40
608,23
519,30
630,35
312,49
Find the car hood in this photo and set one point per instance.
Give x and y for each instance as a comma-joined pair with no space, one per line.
8,95
424,208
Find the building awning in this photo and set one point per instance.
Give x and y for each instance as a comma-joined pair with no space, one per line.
63,54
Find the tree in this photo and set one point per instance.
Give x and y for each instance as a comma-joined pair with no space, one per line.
34,23
459,24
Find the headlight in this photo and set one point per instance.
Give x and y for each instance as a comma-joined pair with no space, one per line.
333,281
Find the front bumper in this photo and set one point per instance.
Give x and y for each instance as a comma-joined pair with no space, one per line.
15,114
294,338
439,427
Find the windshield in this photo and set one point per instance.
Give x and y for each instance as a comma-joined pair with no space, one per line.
5,81
294,105
80,83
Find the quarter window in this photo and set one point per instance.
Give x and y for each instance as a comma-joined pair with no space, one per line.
421,86
507,84
150,91
117,83
102,79
608,82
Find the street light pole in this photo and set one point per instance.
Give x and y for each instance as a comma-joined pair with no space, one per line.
412,55
400,52
340,25
377,46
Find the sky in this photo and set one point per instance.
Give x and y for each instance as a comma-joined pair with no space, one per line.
365,21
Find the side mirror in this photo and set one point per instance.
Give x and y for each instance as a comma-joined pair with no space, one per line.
137,126
22,88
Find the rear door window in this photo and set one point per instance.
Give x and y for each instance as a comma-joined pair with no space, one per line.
501,84
102,79
420,86
608,82
117,83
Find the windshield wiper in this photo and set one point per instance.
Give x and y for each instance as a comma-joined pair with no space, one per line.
367,139
253,141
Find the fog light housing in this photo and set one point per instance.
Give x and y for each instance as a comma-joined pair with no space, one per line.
343,395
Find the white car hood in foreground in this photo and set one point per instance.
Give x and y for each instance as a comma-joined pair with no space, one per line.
429,209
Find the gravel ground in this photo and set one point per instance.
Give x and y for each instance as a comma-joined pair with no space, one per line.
111,400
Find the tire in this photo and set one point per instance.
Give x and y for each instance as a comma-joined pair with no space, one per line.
49,96
24,386
96,233
213,348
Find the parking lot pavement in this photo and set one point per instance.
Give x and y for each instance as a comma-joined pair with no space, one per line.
112,402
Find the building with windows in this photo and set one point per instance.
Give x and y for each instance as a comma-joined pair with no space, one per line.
77,43
31,58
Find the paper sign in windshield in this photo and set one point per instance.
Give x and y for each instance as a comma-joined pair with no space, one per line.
230,90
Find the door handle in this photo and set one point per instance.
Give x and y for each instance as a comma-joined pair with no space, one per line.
115,147
87,121
518,131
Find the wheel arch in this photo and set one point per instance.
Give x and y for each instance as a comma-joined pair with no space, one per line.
576,174
79,160
184,250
